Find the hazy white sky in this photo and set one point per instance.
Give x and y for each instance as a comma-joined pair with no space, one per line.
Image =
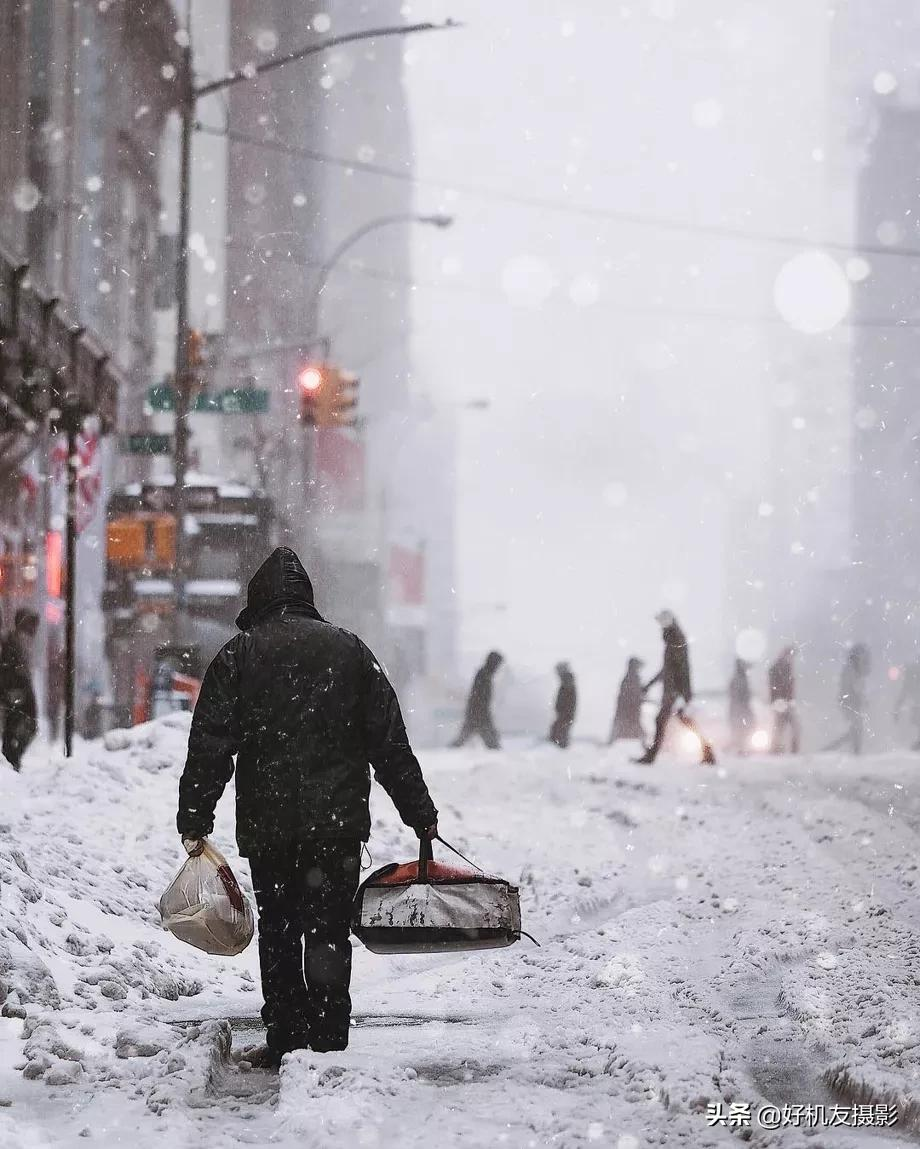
626,415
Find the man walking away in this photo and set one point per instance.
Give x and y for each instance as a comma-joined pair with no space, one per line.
782,702
627,719
853,699
18,707
740,708
478,718
305,707
566,702
674,677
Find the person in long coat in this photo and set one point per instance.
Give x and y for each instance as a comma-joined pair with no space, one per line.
627,719
566,702
740,708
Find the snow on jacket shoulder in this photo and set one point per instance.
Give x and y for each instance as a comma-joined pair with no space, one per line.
305,706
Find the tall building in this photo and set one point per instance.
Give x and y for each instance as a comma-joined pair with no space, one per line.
875,158
87,87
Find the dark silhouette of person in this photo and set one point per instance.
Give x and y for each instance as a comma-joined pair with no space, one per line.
627,718
782,685
853,699
305,707
478,717
676,688
740,707
17,695
566,703
909,698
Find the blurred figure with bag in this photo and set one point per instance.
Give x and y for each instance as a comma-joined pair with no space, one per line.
676,690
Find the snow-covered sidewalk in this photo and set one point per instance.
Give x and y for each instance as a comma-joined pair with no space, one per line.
738,935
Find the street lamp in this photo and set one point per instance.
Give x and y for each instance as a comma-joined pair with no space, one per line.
189,94
439,220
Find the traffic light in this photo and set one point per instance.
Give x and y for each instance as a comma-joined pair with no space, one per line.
195,348
327,395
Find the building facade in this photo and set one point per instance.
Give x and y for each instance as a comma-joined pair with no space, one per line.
86,91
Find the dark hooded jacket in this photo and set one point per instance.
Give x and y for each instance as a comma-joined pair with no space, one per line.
305,707
674,675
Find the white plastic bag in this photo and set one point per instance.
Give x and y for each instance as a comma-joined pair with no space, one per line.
205,906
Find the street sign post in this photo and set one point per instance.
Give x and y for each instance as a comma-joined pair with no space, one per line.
232,401
145,443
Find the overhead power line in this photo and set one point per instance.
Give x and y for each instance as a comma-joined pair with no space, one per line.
563,206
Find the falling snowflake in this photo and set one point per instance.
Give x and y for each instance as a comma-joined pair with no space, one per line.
299,199
884,83
103,287
811,292
93,183
182,38
326,82
366,154
857,269
751,644
322,22
26,196
168,72
888,232
266,40
707,113
254,194
584,291
249,70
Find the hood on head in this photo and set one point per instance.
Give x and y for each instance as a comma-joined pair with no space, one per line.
635,664
280,581
494,660
665,619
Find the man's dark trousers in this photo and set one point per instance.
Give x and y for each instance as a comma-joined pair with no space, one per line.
304,893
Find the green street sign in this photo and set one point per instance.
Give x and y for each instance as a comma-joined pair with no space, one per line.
233,401
244,401
161,399
143,443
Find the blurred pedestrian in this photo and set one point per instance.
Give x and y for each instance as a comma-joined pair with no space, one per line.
740,708
627,719
478,718
909,699
566,702
17,694
853,699
676,689
782,684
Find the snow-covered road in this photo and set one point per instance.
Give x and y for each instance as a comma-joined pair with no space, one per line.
741,935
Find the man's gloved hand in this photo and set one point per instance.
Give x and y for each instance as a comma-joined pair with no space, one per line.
194,846
431,833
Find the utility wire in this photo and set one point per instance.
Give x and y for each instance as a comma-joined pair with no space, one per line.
561,206
663,311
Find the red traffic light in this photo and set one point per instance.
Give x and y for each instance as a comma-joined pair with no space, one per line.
310,379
